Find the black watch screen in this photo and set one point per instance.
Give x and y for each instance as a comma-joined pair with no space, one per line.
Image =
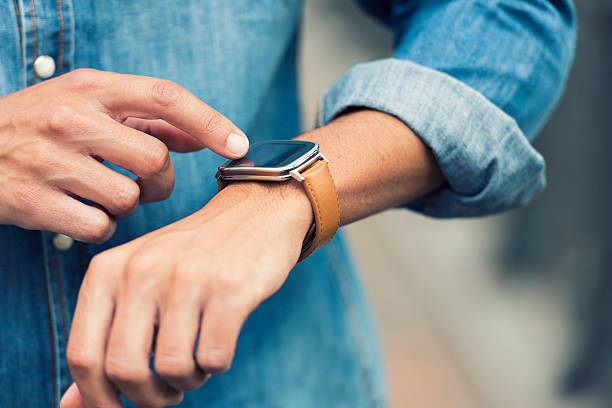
273,154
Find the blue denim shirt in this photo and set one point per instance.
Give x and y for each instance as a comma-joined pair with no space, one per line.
474,79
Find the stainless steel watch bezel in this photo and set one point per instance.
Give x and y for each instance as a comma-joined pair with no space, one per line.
290,171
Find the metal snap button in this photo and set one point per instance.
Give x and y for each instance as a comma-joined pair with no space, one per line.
44,66
62,242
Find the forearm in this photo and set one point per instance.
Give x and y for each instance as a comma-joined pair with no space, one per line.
474,93
376,161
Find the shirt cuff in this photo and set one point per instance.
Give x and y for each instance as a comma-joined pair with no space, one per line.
488,162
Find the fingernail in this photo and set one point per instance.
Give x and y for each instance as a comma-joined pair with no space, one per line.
237,144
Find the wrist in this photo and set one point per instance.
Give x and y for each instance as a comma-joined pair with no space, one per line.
284,205
377,162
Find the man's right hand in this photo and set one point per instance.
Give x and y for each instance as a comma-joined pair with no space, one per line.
54,135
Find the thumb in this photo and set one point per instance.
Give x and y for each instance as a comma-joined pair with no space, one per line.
72,398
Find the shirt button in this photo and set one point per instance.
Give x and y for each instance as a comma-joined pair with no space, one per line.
44,66
62,242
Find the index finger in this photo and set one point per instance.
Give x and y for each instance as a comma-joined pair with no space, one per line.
88,337
153,98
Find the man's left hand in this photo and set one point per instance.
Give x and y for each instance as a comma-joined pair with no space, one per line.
201,275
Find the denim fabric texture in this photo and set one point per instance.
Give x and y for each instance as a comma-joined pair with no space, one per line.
475,79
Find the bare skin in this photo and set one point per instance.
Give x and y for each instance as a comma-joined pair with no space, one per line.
53,136
207,272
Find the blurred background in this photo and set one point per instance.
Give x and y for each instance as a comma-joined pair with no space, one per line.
506,311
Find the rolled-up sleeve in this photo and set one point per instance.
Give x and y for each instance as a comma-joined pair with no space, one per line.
474,80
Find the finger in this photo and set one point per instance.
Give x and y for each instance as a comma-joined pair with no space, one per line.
72,398
152,98
67,215
88,337
221,324
176,139
129,348
89,179
178,329
142,154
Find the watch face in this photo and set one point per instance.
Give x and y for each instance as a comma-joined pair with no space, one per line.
275,154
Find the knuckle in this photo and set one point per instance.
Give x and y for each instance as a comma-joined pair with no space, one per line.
41,157
140,265
98,263
172,366
80,359
100,278
165,192
214,360
98,269
96,228
165,93
121,371
82,78
229,283
177,399
211,122
58,118
157,157
127,196
185,271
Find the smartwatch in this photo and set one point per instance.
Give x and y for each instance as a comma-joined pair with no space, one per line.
285,160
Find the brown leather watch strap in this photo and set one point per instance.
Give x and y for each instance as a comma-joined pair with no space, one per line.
321,191
221,184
